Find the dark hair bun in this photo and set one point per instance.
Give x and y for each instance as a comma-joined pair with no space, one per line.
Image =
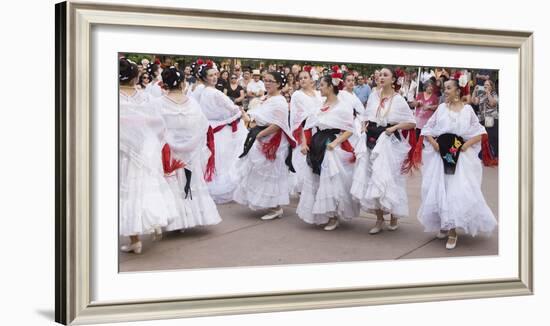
280,78
333,80
171,78
127,70
204,68
152,69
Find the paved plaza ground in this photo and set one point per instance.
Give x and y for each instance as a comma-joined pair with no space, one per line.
242,239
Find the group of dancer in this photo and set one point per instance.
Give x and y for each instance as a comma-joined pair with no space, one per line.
184,149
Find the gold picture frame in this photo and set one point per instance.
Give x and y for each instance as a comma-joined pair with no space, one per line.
74,21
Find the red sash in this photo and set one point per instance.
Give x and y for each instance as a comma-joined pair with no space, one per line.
346,146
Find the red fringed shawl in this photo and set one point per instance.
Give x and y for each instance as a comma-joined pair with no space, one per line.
168,164
409,162
211,165
270,147
486,154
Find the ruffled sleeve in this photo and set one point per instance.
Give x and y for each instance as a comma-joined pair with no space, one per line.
429,128
223,101
474,127
298,110
401,112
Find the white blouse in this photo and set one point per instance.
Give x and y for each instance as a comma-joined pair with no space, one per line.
395,110
218,108
464,123
302,106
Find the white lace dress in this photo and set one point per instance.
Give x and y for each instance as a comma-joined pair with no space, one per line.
378,183
454,200
263,183
328,194
221,112
186,128
146,202
301,107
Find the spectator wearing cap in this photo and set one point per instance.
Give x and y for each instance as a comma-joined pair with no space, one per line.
255,87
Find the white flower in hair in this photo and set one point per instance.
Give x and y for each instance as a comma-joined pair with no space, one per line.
463,80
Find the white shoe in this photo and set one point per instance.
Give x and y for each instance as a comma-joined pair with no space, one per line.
393,227
273,214
441,235
332,224
377,228
135,247
451,242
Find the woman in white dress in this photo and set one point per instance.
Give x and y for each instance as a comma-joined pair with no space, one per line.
325,196
186,129
452,171
146,202
347,94
303,103
225,139
263,170
379,181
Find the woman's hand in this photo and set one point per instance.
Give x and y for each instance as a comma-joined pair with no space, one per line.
464,147
331,146
304,149
391,130
435,145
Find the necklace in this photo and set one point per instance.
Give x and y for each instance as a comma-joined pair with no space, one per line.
382,104
327,105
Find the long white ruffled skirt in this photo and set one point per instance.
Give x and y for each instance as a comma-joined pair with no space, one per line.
328,195
198,208
296,180
263,183
377,182
454,201
146,202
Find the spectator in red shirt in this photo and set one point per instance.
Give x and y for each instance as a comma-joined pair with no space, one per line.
425,105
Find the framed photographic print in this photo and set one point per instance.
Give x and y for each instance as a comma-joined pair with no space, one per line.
213,163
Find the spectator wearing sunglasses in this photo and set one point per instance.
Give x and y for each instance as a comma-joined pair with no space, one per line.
234,91
144,81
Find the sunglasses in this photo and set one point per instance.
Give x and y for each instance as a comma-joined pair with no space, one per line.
233,77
